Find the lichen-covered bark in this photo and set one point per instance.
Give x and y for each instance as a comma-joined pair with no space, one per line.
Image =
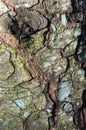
41,77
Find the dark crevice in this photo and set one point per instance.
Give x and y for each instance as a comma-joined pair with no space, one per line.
23,30
79,117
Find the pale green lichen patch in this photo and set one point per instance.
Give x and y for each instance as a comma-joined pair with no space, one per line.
22,94
4,57
64,119
36,43
12,67
38,120
6,70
